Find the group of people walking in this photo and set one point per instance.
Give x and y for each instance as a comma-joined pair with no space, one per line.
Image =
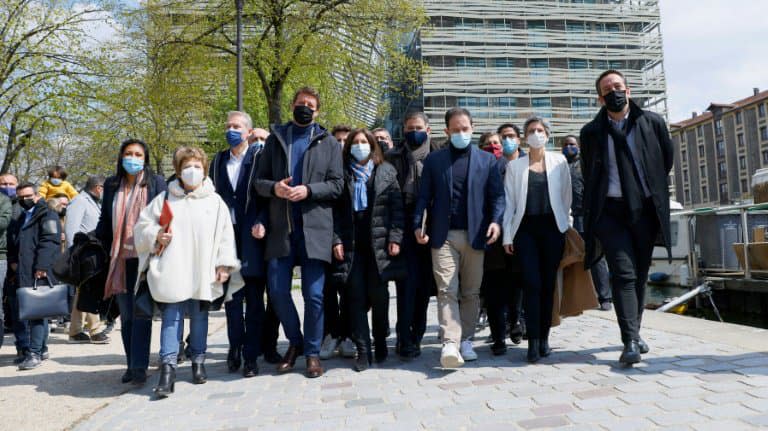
477,226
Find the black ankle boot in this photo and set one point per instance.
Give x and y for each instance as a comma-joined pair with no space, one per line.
533,350
167,382
361,362
198,374
382,351
233,359
544,349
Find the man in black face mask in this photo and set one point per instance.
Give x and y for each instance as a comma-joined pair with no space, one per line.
626,156
300,172
412,293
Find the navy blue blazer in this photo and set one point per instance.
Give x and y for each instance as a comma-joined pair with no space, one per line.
246,206
485,203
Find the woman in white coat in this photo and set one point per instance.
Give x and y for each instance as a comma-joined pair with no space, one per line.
538,191
188,263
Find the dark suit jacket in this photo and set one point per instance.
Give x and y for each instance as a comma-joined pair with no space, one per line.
246,204
36,245
654,144
485,203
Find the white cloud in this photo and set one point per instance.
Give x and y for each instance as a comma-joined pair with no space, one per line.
714,51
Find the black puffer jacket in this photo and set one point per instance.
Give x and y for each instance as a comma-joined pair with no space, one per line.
35,245
386,205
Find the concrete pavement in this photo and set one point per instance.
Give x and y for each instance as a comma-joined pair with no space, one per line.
699,375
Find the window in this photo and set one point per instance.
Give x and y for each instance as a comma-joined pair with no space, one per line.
761,109
723,190
685,175
702,172
720,148
682,136
699,131
744,188
472,102
765,157
542,106
503,62
674,229
742,162
687,196
718,127
577,63
506,102
470,62
684,156
740,138
722,168
738,118
764,133
701,151
581,107
704,196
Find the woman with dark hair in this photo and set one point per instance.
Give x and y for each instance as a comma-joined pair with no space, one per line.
125,195
368,231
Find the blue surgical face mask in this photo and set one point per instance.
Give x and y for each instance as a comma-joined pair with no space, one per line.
415,138
8,191
509,146
258,144
56,181
234,137
461,140
570,151
360,152
133,165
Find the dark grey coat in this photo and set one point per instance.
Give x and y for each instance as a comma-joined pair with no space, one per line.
654,143
323,176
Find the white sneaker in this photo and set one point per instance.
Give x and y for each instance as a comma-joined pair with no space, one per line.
348,349
467,351
450,356
329,346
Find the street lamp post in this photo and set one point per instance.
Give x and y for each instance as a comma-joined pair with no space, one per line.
239,50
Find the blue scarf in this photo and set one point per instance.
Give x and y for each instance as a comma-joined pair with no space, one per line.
361,174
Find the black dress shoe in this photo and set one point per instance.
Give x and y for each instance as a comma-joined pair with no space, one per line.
273,357
139,376
643,346
381,352
533,350
233,359
167,383
631,353
127,376
199,375
544,349
499,348
250,369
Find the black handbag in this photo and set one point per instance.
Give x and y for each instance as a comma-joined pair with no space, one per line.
43,302
143,303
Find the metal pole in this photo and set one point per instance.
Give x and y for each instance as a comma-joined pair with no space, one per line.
239,50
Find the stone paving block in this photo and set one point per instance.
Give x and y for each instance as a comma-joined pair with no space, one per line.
596,393
759,405
553,410
544,422
591,417
753,371
727,386
756,361
757,420
688,391
626,424
728,397
725,411
599,403
505,416
554,398
678,404
499,404
636,411
364,402
680,382
643,397
677,418
722,425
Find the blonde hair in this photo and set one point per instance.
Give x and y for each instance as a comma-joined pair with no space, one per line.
182,154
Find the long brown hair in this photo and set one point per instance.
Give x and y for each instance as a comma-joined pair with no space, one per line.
376,155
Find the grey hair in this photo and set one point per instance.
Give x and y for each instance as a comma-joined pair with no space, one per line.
246,117
537,119
94,181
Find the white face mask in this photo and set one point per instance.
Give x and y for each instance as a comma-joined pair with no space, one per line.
536,140
192,176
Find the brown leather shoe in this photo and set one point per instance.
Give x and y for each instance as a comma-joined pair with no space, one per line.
289,359
314,369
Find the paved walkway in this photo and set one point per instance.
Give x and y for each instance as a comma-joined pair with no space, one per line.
699,375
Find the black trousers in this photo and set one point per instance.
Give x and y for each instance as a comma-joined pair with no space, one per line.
414,291
599,270
335,308
539,244
628,249
503,299
366,289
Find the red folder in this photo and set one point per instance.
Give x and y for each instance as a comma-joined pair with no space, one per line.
166,215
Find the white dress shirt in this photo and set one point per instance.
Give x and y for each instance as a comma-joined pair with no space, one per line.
234,164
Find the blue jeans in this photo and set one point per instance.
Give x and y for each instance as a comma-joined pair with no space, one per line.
3,271
246,332
173,319
279,276
136,333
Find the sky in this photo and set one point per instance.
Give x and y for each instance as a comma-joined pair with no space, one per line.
714,51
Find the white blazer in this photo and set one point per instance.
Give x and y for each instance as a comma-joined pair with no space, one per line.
516,191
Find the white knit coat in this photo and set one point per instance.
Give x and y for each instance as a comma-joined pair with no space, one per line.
203,239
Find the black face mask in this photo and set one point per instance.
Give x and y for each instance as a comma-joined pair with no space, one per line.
303,115
27,203
615,100
63,213
384,145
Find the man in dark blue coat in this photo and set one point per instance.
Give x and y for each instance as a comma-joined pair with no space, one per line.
35,243
462,191
232,172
